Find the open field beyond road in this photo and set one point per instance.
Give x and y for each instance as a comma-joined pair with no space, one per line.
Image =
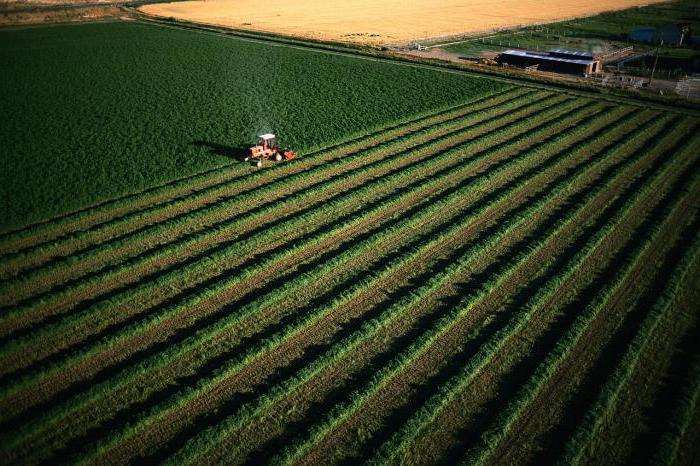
371,21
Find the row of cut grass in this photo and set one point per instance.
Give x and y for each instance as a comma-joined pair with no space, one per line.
344,411
218,434
684,410
578,445
350,430
491,438
235,441
632,159
434,284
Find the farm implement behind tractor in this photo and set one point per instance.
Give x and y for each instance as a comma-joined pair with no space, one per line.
267,148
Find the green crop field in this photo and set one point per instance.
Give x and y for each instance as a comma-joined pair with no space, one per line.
454,270
91,111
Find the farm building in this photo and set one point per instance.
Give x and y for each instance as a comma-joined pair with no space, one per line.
558,61
676,34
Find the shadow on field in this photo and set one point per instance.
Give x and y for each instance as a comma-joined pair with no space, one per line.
235,153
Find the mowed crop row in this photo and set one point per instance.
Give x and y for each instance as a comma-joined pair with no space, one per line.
376,408
507,230
505,426
377,300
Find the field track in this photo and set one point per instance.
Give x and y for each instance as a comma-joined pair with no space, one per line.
445,289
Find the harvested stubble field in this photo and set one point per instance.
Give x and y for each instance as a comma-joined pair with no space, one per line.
497,281
369,21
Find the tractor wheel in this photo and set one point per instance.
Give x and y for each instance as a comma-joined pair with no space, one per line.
259,164
278,157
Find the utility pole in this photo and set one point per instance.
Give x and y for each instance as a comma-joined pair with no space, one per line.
684,30
656,59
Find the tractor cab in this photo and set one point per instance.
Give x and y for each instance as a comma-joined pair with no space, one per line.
267,141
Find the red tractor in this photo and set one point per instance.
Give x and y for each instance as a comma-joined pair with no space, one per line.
267,148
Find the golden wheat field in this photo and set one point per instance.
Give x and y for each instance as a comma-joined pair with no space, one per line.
376,22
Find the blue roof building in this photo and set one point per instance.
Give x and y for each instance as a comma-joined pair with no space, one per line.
551,62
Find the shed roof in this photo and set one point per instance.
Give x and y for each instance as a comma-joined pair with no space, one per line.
266,136
574,53
540,56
